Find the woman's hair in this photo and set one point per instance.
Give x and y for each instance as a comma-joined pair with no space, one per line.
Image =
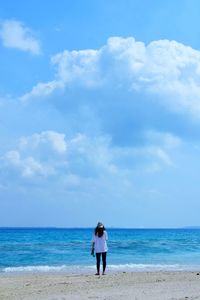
99,230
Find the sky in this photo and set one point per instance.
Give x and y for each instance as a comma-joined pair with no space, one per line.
100,113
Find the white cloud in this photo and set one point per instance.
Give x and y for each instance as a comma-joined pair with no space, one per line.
166,139
15,34
28,166
44,89
72,160
54,140
78,65
153,155
49,153
166,69
159,153
40,154
95,152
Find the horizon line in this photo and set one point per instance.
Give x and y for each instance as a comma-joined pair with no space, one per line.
91,227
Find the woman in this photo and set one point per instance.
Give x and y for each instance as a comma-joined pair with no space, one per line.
99,245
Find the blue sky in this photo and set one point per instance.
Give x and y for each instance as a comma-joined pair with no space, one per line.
99,113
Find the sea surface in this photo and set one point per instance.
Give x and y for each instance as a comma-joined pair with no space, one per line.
68,250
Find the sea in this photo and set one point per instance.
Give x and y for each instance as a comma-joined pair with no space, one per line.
69,250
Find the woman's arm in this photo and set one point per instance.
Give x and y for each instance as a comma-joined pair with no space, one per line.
106,235
92,251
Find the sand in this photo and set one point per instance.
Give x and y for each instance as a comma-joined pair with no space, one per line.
138,286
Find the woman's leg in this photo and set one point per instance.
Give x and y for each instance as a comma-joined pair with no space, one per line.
98,255
104,261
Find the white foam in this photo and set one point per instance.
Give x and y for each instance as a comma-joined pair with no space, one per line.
120,267
35,269
147,267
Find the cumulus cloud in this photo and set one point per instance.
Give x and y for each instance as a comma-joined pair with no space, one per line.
74,159
28,167
52,139
15,34
166,69
40,154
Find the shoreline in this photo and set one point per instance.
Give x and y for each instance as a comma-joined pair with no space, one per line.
159,285
90,269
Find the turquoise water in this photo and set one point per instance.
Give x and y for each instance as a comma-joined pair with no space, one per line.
69,249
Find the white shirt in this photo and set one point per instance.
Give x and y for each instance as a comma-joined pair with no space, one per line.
100,244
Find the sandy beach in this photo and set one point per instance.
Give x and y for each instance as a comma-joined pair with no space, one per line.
138,286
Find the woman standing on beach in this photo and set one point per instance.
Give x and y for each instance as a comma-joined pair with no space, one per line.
99,245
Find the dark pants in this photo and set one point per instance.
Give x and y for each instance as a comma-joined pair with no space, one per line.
98,258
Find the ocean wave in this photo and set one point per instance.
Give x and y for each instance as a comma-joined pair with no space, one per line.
46,268
149,267
118,267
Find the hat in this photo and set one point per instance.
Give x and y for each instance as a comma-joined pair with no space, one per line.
100,225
